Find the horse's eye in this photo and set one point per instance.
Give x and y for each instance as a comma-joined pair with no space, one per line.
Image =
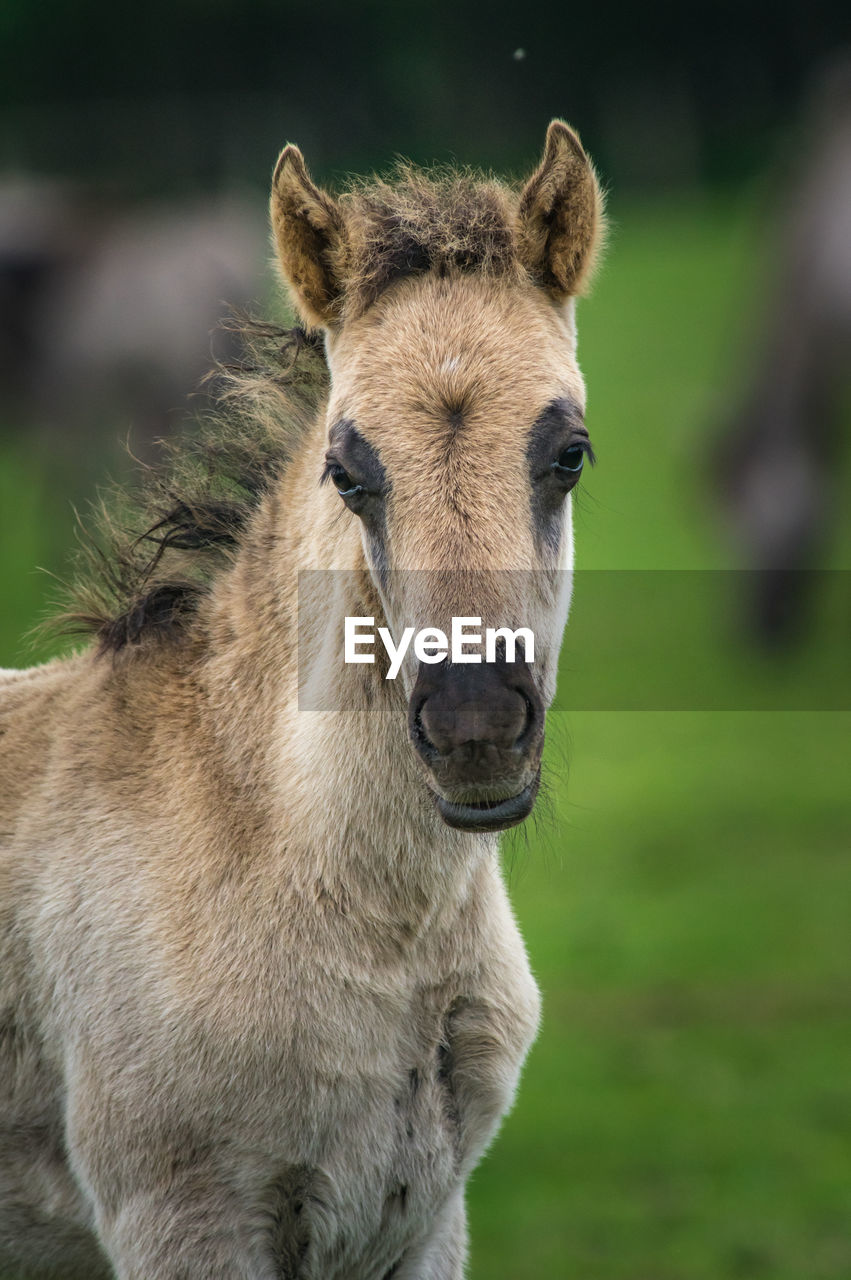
343,482
571,460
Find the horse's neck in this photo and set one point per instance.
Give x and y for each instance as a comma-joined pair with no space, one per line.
325,743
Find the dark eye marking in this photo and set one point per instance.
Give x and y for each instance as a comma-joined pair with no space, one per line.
558,443
556,451
352,464
354,468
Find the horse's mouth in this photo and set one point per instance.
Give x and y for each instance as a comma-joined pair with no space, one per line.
489,815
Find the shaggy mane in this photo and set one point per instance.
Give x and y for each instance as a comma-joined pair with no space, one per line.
147,560
419,220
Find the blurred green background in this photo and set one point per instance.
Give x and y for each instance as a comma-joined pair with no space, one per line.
685,888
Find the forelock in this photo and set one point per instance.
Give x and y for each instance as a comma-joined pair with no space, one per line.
421,221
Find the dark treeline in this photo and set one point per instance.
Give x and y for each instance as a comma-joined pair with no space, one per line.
175,94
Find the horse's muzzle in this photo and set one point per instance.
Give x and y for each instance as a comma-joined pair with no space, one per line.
479,731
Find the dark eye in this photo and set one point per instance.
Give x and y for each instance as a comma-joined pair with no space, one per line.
569,463
571,459
343,482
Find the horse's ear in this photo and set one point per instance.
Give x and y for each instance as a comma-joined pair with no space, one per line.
560,216
310,239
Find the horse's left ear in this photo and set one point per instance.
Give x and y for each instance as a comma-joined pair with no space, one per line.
310,237
560,216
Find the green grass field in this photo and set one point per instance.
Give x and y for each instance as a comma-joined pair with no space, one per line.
686,1112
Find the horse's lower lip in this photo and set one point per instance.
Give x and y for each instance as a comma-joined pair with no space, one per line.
491,816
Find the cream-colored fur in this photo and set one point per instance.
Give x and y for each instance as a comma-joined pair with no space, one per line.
261,1010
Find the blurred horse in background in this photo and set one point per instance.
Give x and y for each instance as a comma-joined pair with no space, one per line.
107,312
775,475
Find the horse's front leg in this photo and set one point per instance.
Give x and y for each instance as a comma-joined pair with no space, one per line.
174,1194
189,1230
442,1254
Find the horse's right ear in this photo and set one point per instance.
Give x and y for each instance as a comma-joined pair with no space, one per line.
310,238
560,216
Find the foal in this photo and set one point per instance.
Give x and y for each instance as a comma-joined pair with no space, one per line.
262,999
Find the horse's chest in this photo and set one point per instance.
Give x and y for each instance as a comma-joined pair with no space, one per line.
385,1147
375,1186
365,1093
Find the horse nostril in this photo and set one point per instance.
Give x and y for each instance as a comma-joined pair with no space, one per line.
529,723
480,720
418,733
500,719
